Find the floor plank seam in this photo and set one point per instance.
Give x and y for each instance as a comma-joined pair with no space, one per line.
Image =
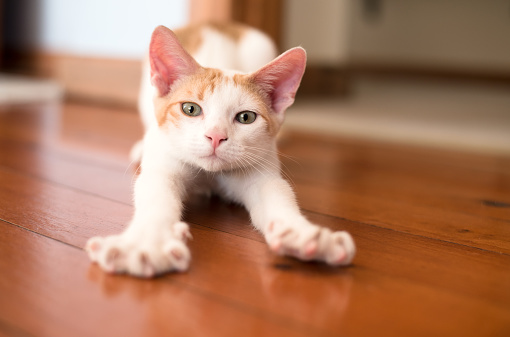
195,289
47,151
194,223
12,170
56,183
227,301
278,319
37,148
77,247
37,233
432,207
24,173
205,293
406,233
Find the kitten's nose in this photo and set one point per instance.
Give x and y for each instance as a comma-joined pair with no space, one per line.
216,138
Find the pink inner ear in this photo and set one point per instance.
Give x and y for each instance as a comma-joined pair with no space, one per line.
168,59
281,78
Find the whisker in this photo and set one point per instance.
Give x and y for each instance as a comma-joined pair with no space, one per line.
278,153
267,166
255,166
294,159
270,166
131,163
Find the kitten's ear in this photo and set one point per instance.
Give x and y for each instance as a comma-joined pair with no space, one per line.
169,61
281,77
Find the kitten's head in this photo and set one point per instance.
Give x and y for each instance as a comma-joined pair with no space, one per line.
220,120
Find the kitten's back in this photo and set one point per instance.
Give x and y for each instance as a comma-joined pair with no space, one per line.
231,46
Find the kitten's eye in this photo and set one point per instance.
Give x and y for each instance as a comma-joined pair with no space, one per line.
191,109
246,117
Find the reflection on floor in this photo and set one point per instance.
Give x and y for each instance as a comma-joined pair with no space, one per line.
467,116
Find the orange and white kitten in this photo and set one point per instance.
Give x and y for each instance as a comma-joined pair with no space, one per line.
213,125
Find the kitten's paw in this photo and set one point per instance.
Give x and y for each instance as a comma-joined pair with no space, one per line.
142,256
306,241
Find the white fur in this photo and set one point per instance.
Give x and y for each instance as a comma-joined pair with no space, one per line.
244,168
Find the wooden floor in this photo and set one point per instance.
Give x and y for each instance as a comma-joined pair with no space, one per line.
432,230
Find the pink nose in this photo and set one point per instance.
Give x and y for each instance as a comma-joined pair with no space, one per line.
216,138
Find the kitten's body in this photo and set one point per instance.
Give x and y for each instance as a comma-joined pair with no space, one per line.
221,124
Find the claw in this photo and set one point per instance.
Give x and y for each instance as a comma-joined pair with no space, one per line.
147,268
181,229
339,239
341,257
177,253
276,245
179,256
311,249
93,246
112,255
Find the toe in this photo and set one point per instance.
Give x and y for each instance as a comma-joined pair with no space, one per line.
181,231
310,249
276,245
111,259
146,268
178,255
342,249
93,247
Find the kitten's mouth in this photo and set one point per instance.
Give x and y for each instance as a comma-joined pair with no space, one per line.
213,157
213,162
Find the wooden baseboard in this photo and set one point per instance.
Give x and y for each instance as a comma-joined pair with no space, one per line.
116,81
322,81
336,81
101,80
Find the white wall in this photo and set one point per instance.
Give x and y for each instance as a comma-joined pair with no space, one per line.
102,28
322,27
444,33
451,34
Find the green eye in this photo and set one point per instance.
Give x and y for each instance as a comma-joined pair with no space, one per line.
191,109
246,117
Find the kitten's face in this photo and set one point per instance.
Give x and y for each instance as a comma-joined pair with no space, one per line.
218,121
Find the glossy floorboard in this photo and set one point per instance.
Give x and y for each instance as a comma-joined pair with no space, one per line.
432,229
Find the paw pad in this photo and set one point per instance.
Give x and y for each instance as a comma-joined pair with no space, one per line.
144,256
305,241
181,230
176,253
311,248
146,266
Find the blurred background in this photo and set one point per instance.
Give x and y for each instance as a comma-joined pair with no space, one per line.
433,73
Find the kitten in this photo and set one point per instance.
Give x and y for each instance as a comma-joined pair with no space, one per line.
207,122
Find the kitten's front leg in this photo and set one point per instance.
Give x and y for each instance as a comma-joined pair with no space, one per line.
274,210
154,242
